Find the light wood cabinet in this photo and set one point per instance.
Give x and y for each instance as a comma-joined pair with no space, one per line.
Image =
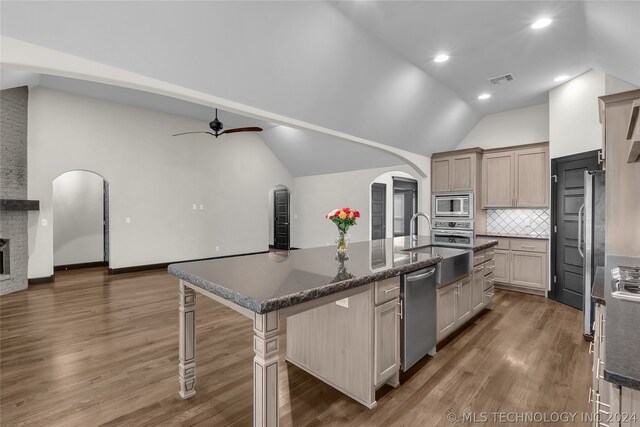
446,309
478,288
497,179
522,265
354,346
387,341
454,172
516,178
501,270
528,269
464,301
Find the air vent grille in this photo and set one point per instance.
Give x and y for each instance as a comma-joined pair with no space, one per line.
497,80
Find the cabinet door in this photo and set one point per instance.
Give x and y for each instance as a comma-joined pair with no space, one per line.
387,341
463,172
446,309
464,301
478,287
532,178
440,174
501,270
497,182
528,269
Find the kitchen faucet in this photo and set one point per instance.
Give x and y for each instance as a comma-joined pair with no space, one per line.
411,228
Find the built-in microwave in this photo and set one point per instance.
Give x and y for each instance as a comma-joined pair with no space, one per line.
453,205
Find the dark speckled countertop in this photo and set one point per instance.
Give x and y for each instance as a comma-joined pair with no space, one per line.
272,281
621,330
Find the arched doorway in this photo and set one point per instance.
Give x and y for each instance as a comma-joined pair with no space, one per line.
393,198
279,218
80,220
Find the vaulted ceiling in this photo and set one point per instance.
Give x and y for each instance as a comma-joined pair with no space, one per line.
364,68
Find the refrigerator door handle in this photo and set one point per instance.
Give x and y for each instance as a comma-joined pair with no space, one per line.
580,230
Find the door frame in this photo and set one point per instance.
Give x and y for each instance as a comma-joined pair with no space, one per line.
554,216
384,208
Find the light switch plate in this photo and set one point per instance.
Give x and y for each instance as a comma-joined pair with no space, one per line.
45,223
194,207
344,302
127,220
201,207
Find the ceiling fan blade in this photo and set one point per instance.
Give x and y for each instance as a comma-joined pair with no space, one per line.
187,133
248,129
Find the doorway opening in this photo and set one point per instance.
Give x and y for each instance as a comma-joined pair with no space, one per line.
279,213
405,204
80,220
386,191
567,243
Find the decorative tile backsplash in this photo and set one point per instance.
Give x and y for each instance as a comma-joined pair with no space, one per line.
534,222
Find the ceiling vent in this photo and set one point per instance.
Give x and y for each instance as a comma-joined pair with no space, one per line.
497,80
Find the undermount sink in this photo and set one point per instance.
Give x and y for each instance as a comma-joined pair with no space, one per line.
455,262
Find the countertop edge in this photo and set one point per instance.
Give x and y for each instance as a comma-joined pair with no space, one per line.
486,245
262,307
621,380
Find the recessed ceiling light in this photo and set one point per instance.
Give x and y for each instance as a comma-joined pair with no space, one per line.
541,23
441,58
484,96
561,78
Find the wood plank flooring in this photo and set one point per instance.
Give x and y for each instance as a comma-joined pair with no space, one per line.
93,349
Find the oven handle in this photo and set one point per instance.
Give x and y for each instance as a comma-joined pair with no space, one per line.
452,233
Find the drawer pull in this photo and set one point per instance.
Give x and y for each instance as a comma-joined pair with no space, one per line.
400,313
527,247
491,295
478,268
386,291
590,395
591,347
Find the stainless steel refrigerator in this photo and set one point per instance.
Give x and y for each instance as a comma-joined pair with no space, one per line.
592,246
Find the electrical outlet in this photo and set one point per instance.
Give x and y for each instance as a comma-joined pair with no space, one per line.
195,207
201,207
45,223
295,216
127,220
344,302
217,248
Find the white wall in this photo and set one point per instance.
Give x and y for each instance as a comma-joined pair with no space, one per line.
514,127
387,179
154,180
615,85
574,124
314,196
78,235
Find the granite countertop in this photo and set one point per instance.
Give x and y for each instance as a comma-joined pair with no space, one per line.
597,291
622,361
515,236
272,281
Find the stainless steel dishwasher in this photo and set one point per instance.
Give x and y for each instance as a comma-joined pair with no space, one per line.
418,316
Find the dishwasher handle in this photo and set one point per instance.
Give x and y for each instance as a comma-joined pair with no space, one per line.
428,273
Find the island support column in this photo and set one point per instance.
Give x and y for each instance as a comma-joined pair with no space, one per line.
187,346
265,369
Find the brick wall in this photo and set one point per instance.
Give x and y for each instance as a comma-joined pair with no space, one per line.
13,183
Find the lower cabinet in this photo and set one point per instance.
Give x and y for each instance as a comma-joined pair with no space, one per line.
387,341
501,272
352,344
454,306
478,287
528,269
464,303
612,405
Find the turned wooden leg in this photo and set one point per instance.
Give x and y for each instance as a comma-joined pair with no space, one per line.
265,369
187,350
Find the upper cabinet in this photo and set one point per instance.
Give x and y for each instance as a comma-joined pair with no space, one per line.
516,178
454,172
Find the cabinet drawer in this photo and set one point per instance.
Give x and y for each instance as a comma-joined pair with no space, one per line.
488,281
478,257
489,253
489,266
488,295
386,290
528,245
503,243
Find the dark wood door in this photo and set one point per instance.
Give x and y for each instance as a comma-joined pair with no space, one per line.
281,219
378,211
567,281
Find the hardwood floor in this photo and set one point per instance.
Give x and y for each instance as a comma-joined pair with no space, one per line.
93,349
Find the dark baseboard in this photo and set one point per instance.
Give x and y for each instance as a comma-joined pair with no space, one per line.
164,265
41,280
81,265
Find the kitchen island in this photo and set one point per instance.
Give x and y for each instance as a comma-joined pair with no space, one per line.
270,287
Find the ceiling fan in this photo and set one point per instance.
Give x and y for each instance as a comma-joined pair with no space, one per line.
216,127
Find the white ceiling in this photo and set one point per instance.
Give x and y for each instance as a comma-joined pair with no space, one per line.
360,67
489,38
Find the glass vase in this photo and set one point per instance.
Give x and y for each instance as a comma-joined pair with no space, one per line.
342,242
